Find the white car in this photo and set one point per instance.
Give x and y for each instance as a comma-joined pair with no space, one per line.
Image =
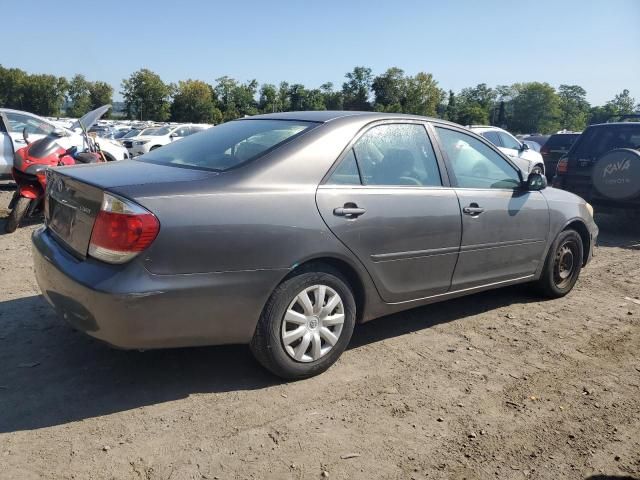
157,137
13,122
525,157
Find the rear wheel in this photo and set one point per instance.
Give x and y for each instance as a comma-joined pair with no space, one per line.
17,214
563,265
306,324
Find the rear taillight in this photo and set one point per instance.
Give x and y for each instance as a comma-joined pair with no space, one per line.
563,166
122,230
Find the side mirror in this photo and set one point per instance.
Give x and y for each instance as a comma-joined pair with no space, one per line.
174,135
524,147
25,135
536,182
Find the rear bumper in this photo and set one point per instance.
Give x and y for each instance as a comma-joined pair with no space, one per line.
582,186
130,308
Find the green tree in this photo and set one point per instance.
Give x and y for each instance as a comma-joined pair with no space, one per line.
390,89
146,96
284,99
536,108
332,100
268,102
475,105
101,93
623,103
236,99
194,102
357,89
574,108
451,112
12,84
79,95
423,96
44,94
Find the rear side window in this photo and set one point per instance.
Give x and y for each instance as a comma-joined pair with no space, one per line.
397,154
561,141
493,138
228,145
347,172
596,141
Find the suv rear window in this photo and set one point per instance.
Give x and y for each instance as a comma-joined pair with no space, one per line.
597,140
228,145
561,140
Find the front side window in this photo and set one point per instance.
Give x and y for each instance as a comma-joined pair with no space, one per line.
228,145
397,154
474,164
508,141
33,125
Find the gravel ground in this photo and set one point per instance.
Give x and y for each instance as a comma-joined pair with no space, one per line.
496,385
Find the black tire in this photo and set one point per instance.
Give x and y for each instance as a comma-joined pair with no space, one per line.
562,266
17,214
267,345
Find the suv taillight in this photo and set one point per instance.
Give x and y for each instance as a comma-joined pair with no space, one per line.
563,166
122,230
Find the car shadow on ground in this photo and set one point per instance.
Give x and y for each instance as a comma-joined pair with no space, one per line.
618,231
53,375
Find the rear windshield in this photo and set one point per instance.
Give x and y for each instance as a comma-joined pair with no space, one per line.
228,145
596,141
562,140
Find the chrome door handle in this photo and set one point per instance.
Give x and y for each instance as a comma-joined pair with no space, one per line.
473,210
349,212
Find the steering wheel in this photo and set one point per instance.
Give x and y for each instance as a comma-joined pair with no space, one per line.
410,181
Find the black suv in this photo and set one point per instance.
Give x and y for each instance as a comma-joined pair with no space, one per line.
603,166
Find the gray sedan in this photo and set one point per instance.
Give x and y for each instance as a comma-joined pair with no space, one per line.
283,231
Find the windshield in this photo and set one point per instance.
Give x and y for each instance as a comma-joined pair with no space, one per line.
131,133
564,140
159,131
228,145
89,119
148,131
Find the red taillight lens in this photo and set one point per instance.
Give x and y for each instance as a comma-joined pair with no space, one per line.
122,230
563,166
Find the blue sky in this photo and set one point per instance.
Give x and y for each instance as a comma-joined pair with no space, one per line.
595,44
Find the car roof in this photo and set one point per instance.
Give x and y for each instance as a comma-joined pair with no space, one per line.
324,116
609,124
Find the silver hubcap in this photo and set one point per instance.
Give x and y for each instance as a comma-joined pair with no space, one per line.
312,323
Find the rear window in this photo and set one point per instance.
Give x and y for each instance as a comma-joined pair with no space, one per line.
228,145
564,140
596,141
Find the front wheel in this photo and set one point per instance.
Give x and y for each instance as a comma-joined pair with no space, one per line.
306,324
17,214
563,265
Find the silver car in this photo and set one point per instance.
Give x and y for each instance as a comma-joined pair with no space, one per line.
285,230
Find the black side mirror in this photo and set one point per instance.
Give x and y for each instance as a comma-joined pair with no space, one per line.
536,182
25,135
524,147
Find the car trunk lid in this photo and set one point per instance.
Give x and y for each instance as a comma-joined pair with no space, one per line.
75,194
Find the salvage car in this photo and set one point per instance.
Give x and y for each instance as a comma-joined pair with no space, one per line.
285,230
156,138
14,124
528,159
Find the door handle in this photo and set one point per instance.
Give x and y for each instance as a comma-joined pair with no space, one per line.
349,212
474,210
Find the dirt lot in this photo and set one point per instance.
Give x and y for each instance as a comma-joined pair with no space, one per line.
497,385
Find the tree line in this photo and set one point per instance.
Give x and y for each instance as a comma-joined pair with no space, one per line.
521,107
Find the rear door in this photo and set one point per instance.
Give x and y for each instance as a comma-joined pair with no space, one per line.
504,228
388,202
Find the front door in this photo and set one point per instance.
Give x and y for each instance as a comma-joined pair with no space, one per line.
387,202
504,227
6,148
